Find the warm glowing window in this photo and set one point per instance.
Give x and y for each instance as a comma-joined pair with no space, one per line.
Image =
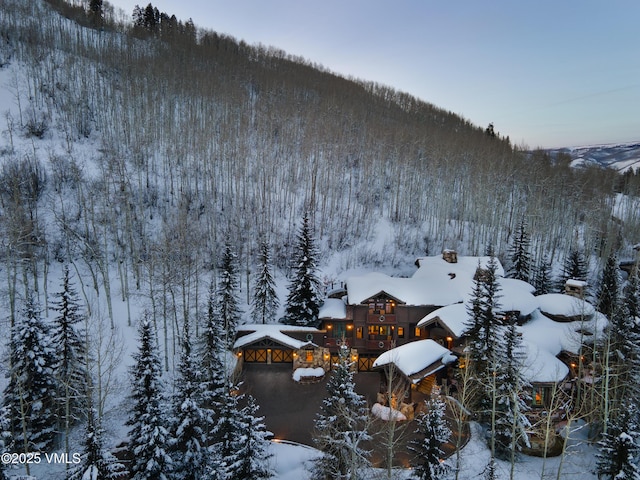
381,306
400,332
309,355
359,332
537,399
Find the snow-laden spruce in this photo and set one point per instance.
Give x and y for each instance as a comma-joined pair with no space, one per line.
149,437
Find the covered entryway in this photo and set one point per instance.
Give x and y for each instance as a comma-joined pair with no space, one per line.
267,350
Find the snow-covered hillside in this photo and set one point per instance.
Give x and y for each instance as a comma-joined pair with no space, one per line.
618,157
133,158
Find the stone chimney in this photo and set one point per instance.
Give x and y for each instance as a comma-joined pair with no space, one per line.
450,256
575,288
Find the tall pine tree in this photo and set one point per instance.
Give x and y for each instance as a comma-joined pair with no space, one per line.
5,438
227,302
341,427
148,438
610,286
519,253
542,280
484,324
303,302
575,267
32,389
97,462
431,434
252,458
228,433
265,300
189,449
619,449
510,424
70,355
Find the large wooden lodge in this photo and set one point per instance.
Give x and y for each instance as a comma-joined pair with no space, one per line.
375,313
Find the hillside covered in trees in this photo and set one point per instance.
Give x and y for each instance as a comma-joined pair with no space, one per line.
136,152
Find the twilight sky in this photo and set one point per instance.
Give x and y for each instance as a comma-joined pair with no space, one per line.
547,73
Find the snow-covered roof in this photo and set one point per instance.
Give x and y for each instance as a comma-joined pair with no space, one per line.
562,305
333,308
436,282
541,366
453,317
516,296
277,333
416,358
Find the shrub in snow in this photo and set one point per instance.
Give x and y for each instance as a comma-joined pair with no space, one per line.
300,373
387,413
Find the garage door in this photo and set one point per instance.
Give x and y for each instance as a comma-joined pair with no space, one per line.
281,356
255,356
365,363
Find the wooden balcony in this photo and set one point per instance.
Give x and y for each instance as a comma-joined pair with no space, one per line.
380,345
381,318
330,342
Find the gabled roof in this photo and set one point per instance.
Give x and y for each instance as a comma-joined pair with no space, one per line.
452,318
416,360
276,333
436,282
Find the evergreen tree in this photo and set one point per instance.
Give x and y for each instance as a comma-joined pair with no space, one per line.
97,462
227,302
213,363
609,290
510,424
519,253
70,355
265,300
303,303
622,360
96,12
228,432
189,419
5,438
252,457
148,437
31,391
632,293
575,267
484,324
340,427
619,449
542,280
432,432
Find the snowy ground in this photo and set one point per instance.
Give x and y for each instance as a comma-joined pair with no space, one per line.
291,461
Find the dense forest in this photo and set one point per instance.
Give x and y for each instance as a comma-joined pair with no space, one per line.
134,150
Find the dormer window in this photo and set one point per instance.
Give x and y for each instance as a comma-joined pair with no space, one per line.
381,306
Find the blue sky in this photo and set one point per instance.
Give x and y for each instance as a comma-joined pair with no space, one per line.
545,73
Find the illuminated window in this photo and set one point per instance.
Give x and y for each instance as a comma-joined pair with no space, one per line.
400,332
381,306
537,399
359,332
309,356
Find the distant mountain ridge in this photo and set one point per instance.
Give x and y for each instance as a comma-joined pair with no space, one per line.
619,157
